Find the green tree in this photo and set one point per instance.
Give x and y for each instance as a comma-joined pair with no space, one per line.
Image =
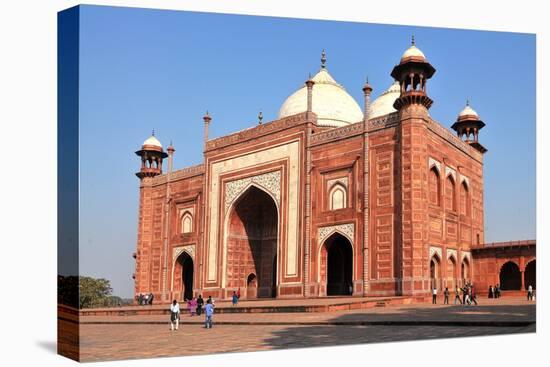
94,292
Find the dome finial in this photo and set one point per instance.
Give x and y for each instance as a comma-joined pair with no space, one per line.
260,117
412,40
467,101
153,132
323,59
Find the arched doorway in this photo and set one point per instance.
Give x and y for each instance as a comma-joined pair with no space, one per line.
530,275
183,277
251,286
451,272
510,277
337,256
435,272
252,244
465,270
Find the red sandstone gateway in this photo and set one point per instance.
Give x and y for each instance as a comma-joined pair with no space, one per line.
328,200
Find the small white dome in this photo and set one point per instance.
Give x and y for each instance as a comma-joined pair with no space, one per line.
152,140
413,51
330,102
383,105
468,111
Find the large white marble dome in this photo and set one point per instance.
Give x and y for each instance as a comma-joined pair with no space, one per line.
383,105
330,102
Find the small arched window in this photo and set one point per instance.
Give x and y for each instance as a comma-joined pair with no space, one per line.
338,197
187,223
464,199
434,186
450,200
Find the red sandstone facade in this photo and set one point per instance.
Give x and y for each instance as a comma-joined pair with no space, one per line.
391,205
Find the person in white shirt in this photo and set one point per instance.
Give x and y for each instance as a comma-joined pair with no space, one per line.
174,315
434,295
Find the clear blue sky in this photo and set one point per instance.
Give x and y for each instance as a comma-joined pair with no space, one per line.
147,69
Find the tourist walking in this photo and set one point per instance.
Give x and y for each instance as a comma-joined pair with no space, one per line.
234,299
497,291
208,312
151,297
446,294
434,295
211,300
491,292
200,303
530,293
174,315
457,295
464,294
473,294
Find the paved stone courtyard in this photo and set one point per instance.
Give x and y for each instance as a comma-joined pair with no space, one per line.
126,337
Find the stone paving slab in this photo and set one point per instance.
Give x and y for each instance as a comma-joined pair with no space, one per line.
508,312
112,342
106,338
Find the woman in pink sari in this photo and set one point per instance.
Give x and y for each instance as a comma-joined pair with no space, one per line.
192,306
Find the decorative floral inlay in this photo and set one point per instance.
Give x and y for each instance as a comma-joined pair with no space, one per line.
452,252
451,171
434,162
347,229
270,181
436,250
341,180
190,249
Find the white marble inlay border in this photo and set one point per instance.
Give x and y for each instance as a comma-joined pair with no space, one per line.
347,230
342,180
270,181
452,252
451,171
436,250
434,162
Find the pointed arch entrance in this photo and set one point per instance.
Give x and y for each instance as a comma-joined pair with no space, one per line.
465,270
336,265
530,275
252,244
435,271
451,272
183,277
510,277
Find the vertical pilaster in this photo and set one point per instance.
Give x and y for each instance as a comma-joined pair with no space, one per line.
307,240
367,90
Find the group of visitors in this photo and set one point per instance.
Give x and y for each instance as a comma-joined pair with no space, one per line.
145,299
494,292
467,292
195,308
195,305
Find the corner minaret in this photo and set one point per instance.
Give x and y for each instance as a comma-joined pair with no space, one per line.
151,154
170,151
467,127
412,73
367,91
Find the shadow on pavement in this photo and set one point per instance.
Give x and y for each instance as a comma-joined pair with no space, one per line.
409,324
